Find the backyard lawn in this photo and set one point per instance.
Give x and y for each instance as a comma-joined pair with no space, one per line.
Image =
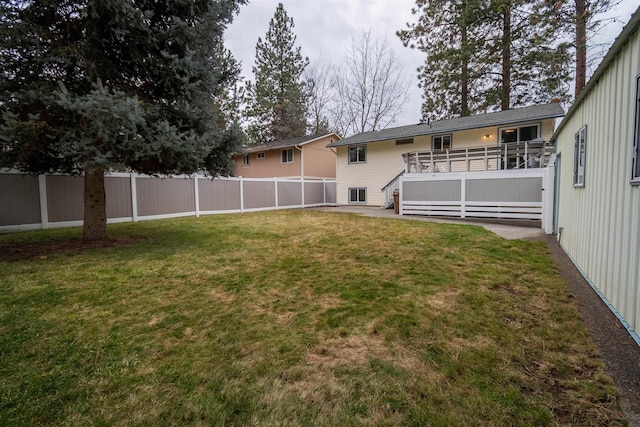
292,318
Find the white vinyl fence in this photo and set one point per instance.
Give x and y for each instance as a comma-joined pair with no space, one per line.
502,194
29,202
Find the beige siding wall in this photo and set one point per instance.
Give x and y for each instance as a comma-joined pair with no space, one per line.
601,221
268,167
319,161
384,160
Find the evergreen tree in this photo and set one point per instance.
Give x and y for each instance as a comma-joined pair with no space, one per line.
452,37
95,85
484,55
278,98
530,65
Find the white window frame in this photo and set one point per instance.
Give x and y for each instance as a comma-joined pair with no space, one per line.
245,160
579,157
518,127
433,142
635,163
361,148
260,155
286,155
358,192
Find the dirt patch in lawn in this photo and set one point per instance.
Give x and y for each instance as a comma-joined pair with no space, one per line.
42,250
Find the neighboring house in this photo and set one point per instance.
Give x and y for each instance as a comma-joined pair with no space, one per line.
307,157
368,163
598,190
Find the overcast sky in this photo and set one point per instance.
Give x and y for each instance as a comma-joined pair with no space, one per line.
325,29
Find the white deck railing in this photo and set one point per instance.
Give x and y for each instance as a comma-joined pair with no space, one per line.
514,155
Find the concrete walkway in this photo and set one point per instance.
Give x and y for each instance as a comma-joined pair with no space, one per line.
505,231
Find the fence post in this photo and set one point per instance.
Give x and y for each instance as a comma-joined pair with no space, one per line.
324,191
275,180
463,197
134,197
196,195
302,188
241,194
44,210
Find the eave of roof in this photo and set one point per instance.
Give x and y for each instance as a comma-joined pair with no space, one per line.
287,143
620,42
499,118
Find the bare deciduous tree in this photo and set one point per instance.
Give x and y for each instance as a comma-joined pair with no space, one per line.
319,82
370,88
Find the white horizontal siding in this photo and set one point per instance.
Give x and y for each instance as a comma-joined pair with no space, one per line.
384,160
600,221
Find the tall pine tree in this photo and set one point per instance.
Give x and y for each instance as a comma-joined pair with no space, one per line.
278,98
452,38
530,65
94,85
487,55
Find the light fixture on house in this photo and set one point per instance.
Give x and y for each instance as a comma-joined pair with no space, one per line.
488,136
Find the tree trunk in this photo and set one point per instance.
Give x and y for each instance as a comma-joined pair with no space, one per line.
464,86
95,206
581,46
505,100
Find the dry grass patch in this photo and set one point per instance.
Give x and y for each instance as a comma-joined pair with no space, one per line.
283,318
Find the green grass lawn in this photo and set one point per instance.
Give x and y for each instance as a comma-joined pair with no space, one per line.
292,318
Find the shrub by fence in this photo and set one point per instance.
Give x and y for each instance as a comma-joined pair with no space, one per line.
30,202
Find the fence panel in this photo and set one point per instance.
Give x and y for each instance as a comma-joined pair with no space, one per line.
259,194
33,202
289,194
510,194
118,195
65,198
19,199
219,195
165,196
314,193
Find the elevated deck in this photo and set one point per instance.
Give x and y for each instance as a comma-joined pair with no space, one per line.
515,155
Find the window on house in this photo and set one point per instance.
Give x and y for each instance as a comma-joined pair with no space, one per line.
579,157
260,156
287,156
519,133
441,142
404,141
635,171
245,160
357,195
358,154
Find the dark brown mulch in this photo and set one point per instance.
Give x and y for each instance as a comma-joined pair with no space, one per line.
26,251
620,352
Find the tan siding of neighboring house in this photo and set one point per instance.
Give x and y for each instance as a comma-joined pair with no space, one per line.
384,160
319,162
601,221
268,167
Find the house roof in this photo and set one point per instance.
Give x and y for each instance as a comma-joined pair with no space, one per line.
499,118
620,42
286,143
